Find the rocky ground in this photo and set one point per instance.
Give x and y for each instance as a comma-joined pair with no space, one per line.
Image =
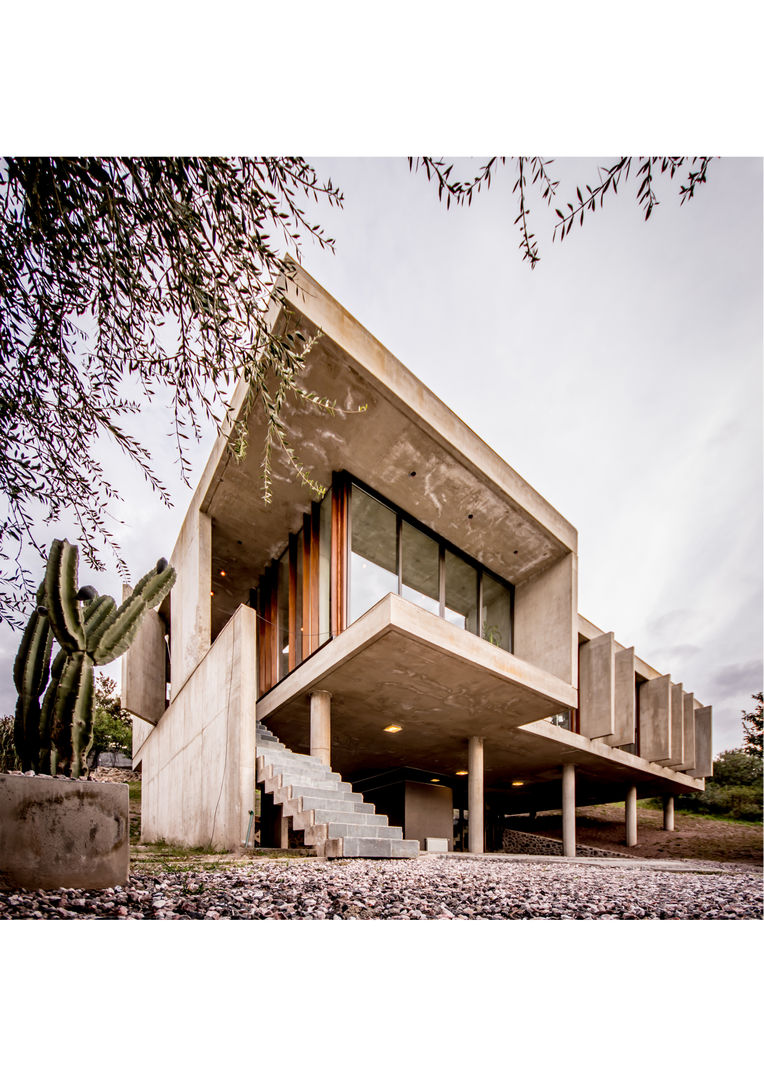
489,887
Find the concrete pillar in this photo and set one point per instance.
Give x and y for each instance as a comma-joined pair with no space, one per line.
475,794
321,726
631,817
668,813
569,810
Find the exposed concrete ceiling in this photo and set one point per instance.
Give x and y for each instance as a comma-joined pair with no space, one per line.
406,445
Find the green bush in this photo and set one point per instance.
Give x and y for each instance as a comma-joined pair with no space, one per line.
8,757
742,801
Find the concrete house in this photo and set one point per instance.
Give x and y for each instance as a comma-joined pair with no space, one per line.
399,664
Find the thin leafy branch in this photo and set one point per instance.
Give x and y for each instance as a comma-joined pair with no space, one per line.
121,278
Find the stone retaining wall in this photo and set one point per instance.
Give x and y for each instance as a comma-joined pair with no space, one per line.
522,843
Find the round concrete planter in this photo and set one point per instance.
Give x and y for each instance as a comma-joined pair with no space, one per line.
57,833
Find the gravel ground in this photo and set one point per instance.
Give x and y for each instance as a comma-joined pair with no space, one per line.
418,889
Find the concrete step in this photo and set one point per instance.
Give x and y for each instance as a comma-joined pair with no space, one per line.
356,847
286,776
374,832
313,802
309,791
325,817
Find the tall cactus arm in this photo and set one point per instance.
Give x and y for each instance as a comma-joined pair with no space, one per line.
30,674
45,762
154,586
82,719
61,595
96,616
119,630
73,714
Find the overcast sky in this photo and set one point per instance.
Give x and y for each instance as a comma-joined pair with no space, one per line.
621,378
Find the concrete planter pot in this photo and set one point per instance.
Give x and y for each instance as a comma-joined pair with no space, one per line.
57,833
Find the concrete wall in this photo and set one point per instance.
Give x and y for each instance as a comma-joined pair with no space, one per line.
428,812
596,687
546,620
144,670
190,607
704,762
655,719
198,763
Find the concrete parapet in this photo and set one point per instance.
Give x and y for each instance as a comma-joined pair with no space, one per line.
655,719
704,764
596,687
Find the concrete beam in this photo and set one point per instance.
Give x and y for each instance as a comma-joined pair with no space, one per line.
631,816
569,810
688,732
321,726
475,793
625,722
655,719
704,762
596,687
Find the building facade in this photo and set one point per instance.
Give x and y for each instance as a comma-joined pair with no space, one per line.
414,631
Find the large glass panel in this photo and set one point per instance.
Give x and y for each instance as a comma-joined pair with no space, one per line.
495,614
373,553
420,559
324,568
283,616
461,593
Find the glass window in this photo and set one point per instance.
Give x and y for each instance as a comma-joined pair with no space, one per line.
420,561
299,652
461,593
495,614
373,553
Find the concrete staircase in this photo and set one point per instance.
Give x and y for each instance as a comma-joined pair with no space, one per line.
319,803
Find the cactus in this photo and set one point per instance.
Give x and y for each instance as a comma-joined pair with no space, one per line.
30,674
91,630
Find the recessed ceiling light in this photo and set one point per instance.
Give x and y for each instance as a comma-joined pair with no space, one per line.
393,728
462,772
517,783
434,780
222,573
211,593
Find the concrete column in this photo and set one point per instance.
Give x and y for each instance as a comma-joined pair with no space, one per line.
569,810
475,794
668,813
631,817
321,726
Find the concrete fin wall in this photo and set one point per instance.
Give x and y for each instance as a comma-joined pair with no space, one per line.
198,763
190,607
655,719
596,687
704,762
144,671
625,700
688,730
546,619
677,725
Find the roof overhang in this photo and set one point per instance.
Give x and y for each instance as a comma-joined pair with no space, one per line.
406,444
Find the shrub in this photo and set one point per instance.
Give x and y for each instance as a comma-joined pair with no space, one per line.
8,756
